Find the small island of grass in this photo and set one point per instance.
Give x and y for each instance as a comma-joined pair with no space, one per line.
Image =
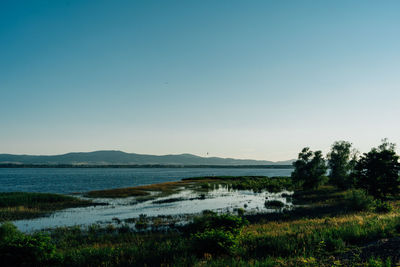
24,205
199,184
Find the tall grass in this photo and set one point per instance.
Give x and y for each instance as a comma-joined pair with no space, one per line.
21,205
14,199
310,237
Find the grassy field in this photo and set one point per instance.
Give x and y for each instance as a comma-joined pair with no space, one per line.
22,205
330,227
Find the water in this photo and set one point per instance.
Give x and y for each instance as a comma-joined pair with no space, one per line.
219,200
71,180
79,180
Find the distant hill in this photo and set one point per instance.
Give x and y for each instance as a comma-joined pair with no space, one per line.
111,157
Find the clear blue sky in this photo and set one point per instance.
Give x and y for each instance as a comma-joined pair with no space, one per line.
243,79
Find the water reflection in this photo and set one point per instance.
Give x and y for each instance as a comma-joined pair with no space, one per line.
220,199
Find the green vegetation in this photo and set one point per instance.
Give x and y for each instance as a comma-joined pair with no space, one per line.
18,249
359,200
200,184
255,183
351,220
325,235
216,234
310,169
21,205
274,204
378,171
341,161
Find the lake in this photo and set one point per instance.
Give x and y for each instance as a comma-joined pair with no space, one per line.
220,200
78,180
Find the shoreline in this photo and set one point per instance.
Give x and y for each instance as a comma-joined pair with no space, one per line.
133,166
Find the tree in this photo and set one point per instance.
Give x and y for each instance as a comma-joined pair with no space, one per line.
378,171
341,161
309,169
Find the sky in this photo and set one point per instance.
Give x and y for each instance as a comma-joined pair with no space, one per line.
242,79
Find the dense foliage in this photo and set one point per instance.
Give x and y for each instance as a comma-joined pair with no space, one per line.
310,169
378,171
341,161
18,249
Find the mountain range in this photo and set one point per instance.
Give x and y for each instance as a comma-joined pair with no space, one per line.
112,157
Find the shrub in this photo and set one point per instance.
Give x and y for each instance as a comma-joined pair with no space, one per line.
215,241
142,222
383,207
359,200
18,249
334,244
274,204
216,234
241,212
372,262
225,222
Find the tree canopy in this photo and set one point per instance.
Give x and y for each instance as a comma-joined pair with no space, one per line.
378,171
341,161
310,169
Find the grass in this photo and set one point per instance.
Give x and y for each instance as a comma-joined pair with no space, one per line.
199,184
324,229
303,242
162,189
22,205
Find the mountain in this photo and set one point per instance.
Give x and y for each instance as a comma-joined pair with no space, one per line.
111,157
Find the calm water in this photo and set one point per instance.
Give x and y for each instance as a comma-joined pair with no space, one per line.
71,180
220,200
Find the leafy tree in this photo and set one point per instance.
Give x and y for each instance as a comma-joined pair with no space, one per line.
341,161
378,171
310,168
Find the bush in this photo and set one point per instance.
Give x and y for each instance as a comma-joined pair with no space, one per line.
241,212
142,222
18,249
274,204
359,200
216,234
372,262
224,222
383,207
334,244
215,241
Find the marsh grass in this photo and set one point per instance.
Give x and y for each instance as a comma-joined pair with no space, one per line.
197,184
323,227
117,193
301,241
304,242
308,237
22,205
144,192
